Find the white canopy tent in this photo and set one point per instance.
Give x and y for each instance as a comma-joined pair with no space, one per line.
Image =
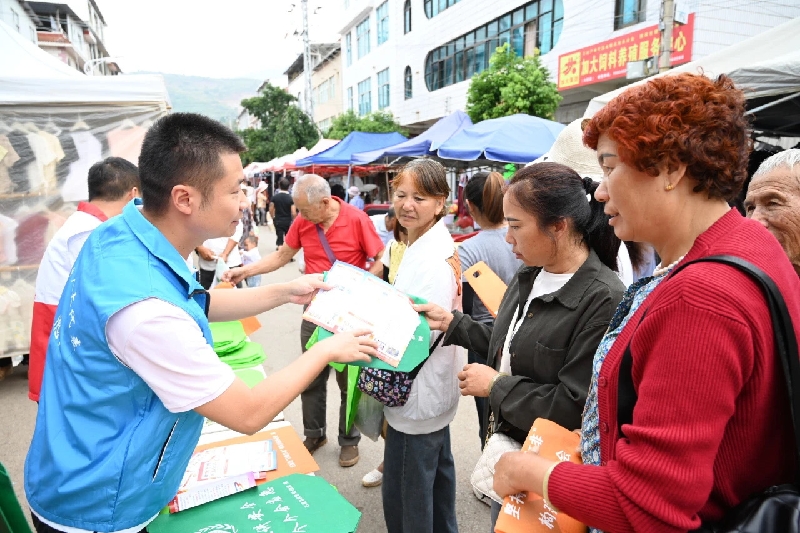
765,66
55,123
29,75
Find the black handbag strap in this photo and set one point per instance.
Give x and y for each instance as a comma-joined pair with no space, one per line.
785,345
325,244
413,373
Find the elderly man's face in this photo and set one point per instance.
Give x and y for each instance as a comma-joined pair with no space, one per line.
313,212
774,200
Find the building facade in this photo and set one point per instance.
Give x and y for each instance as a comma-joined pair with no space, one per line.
416,57
326,92
74,33
326,82
19,16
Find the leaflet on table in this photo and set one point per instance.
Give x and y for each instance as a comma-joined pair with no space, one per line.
214,490
223,462
361,300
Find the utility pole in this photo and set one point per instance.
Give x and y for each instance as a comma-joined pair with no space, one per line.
307,62
665,25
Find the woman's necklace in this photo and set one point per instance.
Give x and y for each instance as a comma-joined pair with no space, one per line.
661,270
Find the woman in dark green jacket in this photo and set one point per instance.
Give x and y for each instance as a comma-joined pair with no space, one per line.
554,313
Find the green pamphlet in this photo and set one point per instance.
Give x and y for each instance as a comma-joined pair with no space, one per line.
250,376
228,336
246,356
297,503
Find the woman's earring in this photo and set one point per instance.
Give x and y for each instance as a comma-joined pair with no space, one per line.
669,187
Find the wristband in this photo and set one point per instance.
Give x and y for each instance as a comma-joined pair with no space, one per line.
493,381
544,486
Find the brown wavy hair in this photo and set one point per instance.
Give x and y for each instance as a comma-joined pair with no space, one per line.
682,118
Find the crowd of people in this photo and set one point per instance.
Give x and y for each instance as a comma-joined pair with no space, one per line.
591,241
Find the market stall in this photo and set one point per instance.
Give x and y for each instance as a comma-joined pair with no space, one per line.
514,139
424,144
340,156
54,124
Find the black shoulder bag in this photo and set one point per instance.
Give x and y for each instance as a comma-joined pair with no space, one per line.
776,509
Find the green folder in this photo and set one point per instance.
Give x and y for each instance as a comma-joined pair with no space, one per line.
228,336
248,355
291,504
250,376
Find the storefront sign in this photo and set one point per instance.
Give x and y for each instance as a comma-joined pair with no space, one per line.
608,60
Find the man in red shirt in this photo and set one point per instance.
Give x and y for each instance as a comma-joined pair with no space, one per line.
352,239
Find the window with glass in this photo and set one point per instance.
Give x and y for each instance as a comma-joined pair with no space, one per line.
408,82
629,12
434,7
362,37
383,89
534,26
349,98
348,49
407,16
325,91
365,97
382,18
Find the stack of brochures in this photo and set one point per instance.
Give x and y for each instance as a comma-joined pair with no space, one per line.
219,472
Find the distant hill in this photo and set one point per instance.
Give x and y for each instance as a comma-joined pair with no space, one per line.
216,98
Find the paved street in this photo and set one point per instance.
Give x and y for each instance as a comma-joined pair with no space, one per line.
280,338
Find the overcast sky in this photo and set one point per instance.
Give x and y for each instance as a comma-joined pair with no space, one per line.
219,39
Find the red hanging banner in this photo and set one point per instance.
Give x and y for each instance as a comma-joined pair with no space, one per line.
608,60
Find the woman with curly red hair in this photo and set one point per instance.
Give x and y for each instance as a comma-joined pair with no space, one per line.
711,423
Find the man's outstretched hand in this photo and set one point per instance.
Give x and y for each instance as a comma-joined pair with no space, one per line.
348,347
302,290
234,275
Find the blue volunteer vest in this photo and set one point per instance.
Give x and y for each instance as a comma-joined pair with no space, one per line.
106,454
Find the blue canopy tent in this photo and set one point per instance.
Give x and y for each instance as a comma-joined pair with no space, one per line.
515,139
342,153
357,141
424,144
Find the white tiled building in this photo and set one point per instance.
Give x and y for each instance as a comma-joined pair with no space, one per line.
415,57
75,33
19,16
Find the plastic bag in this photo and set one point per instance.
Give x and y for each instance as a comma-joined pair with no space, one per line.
220,270
369,417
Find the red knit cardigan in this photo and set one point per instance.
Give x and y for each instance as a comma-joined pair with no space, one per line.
711,425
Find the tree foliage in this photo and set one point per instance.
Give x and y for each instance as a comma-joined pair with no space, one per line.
511,85
283,126
377,122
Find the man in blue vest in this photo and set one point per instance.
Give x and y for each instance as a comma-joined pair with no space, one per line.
131,370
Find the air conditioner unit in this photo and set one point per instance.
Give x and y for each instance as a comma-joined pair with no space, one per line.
641,69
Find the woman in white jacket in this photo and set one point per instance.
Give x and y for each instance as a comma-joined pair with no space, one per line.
419,483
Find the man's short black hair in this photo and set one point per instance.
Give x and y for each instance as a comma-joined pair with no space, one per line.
283,184
183,149
112,178
337,189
